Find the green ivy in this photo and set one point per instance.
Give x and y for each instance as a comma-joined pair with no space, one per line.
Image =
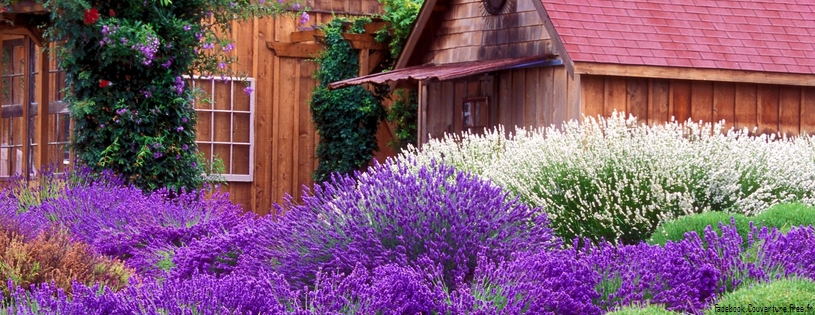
401,14
404,113
347,119
124,63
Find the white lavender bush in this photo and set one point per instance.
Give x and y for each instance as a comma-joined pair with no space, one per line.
615,178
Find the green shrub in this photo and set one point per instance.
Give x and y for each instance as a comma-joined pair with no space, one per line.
125,63
784,293
674,230
648,310
786,215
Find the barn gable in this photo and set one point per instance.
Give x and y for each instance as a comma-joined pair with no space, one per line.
450,31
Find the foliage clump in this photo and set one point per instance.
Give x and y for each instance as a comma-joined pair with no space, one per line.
125,64
53,256
779,296
346,119
781,216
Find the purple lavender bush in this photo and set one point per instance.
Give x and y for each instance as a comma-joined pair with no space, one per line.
120,220
200,295
547,282
396,214
386,290
780,255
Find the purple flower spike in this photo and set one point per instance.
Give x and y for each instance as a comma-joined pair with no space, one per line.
248,90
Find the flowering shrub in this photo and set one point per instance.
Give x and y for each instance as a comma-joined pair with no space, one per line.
201,294
403,238
617,179
144,229
437,217
535,283
124,62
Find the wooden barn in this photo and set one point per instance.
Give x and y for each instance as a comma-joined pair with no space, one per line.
266,140
481,63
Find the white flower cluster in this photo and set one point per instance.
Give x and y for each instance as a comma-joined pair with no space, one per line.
618,178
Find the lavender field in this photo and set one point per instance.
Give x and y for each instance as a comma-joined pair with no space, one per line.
442,231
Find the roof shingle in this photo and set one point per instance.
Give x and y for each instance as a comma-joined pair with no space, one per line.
762,35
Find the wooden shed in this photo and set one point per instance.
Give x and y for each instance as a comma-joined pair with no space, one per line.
536,63
266,140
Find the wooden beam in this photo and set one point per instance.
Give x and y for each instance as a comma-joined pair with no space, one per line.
26,166
422,114
306,36
556,41
374,60
27,7
358,41
368,45
42,117
373,27
416,33
295,50
35,34
695,74
364,57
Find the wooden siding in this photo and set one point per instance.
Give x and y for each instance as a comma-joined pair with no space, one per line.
769,108
285,140
284,136
467,33
531,97
356,7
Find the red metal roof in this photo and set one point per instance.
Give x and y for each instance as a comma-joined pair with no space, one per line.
759,35
447,71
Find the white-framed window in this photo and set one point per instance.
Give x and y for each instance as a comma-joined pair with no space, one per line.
226,129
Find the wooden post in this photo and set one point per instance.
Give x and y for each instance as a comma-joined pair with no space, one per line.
42,111
421,129
364,55
26,165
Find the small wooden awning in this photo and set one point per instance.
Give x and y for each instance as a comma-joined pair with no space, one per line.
449,71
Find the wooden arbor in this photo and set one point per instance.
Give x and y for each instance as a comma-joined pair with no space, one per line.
25,136
307,44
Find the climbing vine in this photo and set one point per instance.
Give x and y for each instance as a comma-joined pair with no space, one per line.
347,119
403,112
124,64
